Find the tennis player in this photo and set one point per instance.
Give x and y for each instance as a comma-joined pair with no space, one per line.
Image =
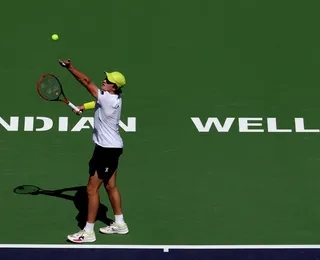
108,149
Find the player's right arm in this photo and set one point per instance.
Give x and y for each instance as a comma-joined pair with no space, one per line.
82,78
85,106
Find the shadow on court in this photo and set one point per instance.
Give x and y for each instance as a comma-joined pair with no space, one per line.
80,200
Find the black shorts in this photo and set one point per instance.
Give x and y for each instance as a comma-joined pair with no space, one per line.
104,161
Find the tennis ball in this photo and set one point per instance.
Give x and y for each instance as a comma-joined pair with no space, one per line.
55,37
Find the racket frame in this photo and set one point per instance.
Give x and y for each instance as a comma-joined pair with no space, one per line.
64,100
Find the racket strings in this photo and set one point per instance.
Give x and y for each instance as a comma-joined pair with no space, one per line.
50,88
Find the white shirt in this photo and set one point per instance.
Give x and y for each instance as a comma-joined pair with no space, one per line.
106,120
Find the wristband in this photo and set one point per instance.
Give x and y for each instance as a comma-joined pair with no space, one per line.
89,105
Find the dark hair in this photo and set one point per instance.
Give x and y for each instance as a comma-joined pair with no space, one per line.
117,91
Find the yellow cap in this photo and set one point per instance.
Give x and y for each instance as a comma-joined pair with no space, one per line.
117,78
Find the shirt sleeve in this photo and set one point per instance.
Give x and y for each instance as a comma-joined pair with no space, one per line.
104,98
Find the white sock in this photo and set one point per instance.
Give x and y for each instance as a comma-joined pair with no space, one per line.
89,227
119,219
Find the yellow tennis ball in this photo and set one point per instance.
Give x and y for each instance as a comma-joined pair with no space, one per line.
55,37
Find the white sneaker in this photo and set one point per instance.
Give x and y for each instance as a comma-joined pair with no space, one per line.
115,229
82,237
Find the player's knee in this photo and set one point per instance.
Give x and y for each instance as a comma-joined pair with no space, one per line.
91,190
111,186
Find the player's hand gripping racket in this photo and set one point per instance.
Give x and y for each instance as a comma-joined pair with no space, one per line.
50,89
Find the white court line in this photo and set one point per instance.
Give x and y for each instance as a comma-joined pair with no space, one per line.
166,248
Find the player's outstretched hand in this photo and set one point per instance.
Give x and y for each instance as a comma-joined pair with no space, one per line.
81,108
65,63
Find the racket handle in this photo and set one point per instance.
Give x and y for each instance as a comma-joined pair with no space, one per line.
74,107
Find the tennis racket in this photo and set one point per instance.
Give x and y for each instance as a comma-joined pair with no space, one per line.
49,88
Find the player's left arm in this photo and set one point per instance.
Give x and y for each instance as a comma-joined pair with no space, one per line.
81,77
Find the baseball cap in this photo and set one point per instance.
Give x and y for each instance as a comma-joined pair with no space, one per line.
116,77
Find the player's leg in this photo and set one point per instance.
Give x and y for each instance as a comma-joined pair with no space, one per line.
114,195
119,226
93,186
94,182
88,234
